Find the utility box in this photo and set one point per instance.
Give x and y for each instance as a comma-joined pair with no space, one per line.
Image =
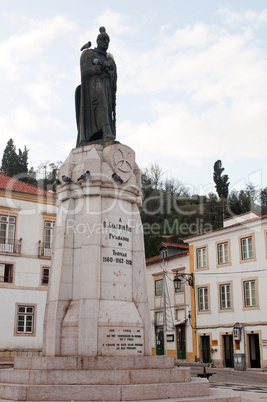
240,361
237,333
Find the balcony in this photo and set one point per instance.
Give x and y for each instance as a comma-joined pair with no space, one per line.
44,250
12,247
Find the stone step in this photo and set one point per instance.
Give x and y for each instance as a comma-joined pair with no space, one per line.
133,392
215,396
94,363
95,377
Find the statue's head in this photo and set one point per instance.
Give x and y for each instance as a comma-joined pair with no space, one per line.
102,39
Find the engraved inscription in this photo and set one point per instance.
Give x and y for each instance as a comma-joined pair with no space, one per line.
116,341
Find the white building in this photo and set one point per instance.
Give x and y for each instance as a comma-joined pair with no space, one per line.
230,278
170,307
27,217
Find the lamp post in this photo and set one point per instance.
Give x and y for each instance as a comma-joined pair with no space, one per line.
177,281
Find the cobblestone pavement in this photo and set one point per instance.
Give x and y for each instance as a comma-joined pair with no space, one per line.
251,385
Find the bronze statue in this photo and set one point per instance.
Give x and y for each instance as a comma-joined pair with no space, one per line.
95,98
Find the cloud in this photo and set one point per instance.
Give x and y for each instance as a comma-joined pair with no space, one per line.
29,42
207,91
192,93
247,17
115,23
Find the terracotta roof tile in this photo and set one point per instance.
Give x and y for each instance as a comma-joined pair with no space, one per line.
157,258
9,183
259,218
173,245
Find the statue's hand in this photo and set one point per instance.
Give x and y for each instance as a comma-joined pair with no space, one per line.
108,65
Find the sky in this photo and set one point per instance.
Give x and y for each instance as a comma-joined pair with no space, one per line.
192,82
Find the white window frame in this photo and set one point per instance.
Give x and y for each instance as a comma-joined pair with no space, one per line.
48,237
250,294
8,226
25,319
223,253
225,296
164,253
247,251
6,272
159,287
45,276
203,299
201,257
159,318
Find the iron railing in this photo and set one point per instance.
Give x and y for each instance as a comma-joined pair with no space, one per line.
13,246
44,250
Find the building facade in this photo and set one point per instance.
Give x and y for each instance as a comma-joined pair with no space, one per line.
170,305
230,277
27,218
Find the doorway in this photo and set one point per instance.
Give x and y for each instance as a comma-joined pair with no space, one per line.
254,350
159,341
181,342
228,350
205,347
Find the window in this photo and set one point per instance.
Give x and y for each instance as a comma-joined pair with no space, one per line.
250,297
6,273
159,287
247,248
164,253
25,319
203,299
48,237
202,257
225,296
223,253
45,276
7,233
159,318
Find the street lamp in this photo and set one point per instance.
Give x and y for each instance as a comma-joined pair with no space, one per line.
177,281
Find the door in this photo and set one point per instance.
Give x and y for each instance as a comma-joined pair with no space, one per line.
254,350
228,351
181,342
159,341
205,346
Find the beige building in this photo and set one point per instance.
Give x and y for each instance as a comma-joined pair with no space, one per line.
27,218
230,278
170,305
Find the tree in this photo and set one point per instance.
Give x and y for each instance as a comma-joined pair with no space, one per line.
13,163
240,202
155,173
10,160
221,181
263,200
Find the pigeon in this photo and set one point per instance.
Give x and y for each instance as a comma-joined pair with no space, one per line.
55,184
116,177
66,179
84,176
86,46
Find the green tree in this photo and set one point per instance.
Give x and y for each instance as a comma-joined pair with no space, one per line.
10,159
263,200
13,163
240,202
221,181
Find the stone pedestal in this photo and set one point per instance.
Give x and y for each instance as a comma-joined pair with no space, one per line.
127,378
97,299
97,327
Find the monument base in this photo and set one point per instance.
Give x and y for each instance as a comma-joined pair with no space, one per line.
126,378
